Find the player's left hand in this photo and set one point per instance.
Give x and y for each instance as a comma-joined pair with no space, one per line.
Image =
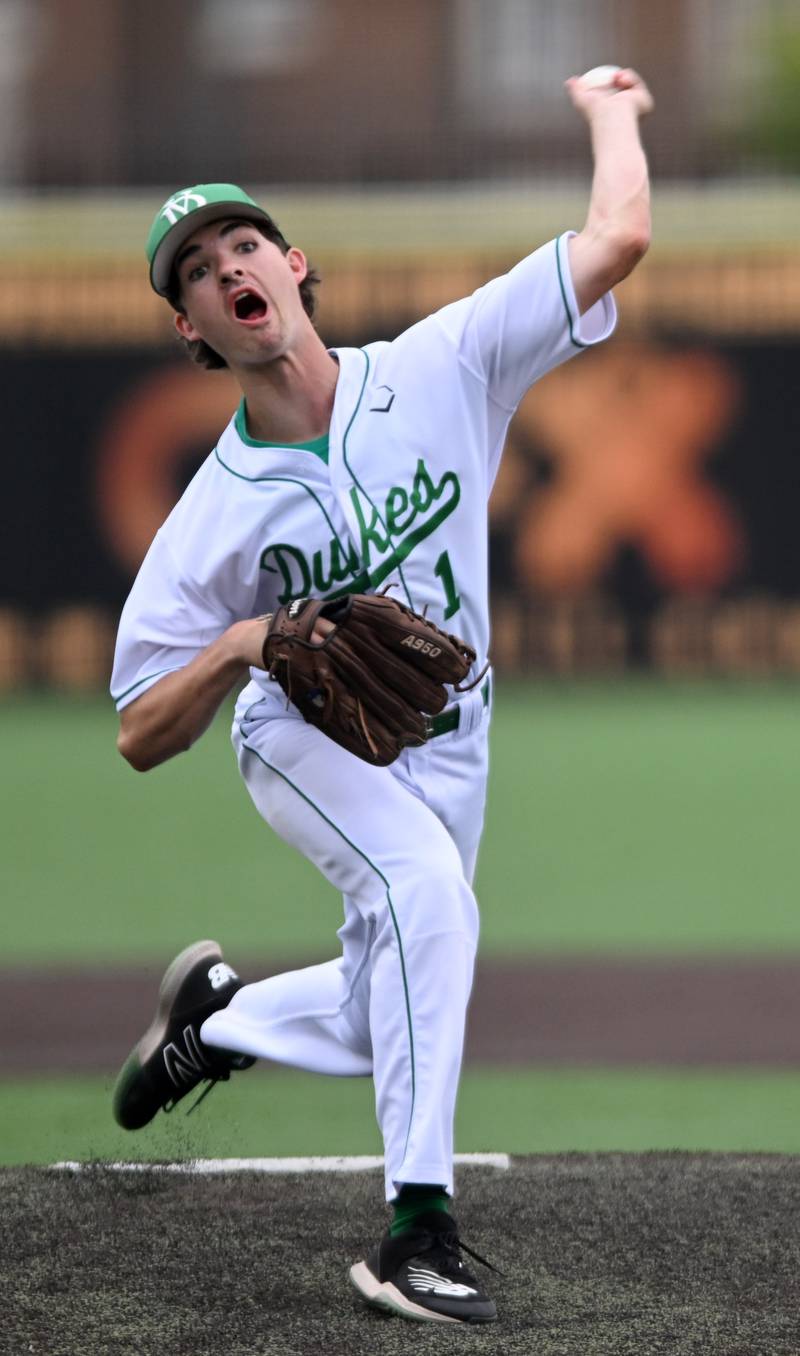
627,87
366,670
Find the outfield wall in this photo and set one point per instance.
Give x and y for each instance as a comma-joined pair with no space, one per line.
644,516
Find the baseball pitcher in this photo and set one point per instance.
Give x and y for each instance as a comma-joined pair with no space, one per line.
333,547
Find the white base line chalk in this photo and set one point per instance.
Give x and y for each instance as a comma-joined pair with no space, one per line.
207,1166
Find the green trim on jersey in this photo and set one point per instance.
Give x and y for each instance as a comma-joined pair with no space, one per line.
319,446
288,480
577,342
361,490
392,913
359,582
159,673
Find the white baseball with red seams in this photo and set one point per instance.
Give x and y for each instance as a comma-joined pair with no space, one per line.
599,76
415,440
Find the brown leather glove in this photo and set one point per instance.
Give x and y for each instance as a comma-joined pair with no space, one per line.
371,684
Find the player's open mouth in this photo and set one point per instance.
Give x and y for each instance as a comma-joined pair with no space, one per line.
249,306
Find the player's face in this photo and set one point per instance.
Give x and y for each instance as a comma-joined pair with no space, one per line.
239,293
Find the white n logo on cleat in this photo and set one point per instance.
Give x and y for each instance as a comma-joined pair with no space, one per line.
431,1283
184,1066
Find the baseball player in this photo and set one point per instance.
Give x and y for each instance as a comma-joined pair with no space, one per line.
342,471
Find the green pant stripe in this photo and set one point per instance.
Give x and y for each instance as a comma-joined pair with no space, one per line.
392,913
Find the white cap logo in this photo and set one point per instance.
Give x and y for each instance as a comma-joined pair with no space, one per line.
181,205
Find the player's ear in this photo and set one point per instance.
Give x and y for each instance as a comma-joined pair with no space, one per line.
298,263
184,327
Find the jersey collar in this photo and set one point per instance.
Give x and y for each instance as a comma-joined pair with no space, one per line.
253,461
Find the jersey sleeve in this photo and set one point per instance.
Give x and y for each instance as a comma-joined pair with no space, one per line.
165,623
521,325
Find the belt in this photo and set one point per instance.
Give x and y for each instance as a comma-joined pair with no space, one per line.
448,719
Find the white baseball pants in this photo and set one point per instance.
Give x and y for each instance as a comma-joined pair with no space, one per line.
400,843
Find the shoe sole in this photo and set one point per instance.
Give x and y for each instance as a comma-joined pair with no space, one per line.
385,1296
154,1035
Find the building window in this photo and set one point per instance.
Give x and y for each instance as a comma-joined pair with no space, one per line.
512,57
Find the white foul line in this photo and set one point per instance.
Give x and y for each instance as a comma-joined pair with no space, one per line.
208,1166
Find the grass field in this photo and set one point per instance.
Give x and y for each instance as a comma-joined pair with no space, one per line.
627,818
283,1113
623,819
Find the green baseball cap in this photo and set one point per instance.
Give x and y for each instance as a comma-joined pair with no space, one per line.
187,210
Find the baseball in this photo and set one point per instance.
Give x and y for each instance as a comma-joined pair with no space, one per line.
599,76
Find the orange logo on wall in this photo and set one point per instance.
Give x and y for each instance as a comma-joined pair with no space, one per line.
141,450
628,430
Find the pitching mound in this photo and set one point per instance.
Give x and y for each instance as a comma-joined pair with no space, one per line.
603,1255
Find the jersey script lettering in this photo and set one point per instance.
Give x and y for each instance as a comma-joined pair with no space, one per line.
414,513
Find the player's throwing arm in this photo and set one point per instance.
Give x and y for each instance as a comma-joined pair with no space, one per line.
617,230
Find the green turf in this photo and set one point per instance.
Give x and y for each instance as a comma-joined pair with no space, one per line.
627,817
280,1112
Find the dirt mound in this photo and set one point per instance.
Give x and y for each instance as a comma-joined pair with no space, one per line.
584,1011
603,1255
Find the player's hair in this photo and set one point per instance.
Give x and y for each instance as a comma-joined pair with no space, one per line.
199,351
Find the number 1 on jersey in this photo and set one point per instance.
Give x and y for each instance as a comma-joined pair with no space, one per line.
443,570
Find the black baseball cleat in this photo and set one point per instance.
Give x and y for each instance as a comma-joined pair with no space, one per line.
171,1059
421,1275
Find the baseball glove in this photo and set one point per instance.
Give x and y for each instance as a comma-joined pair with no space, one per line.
374,680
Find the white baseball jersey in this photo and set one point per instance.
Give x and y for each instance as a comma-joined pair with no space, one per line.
415,440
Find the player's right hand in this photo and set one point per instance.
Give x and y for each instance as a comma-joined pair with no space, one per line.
628,88
246,639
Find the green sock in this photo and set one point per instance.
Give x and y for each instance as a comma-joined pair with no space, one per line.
413,1201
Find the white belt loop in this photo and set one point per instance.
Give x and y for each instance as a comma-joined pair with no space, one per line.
473,708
